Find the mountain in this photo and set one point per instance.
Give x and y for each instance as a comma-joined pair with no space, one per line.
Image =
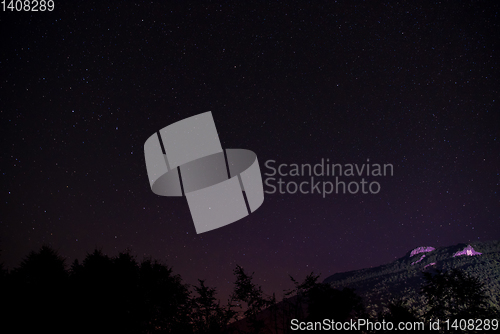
400,280
403,278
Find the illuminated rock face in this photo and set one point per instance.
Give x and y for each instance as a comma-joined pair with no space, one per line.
418,260
430,264
467,251
421,250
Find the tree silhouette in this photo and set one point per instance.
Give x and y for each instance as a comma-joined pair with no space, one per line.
321,301
208,316
101,295
455,295
94,288
325,302
298,294
249,293
37,291
165,299
42,268
398,311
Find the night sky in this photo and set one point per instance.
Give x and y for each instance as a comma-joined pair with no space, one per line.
416,86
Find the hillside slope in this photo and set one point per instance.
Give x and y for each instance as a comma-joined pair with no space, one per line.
402,279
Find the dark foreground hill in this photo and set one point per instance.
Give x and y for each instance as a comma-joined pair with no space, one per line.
403,278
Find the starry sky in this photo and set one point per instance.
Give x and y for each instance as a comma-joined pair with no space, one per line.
413,85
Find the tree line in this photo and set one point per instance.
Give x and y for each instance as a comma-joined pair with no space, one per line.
118,294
